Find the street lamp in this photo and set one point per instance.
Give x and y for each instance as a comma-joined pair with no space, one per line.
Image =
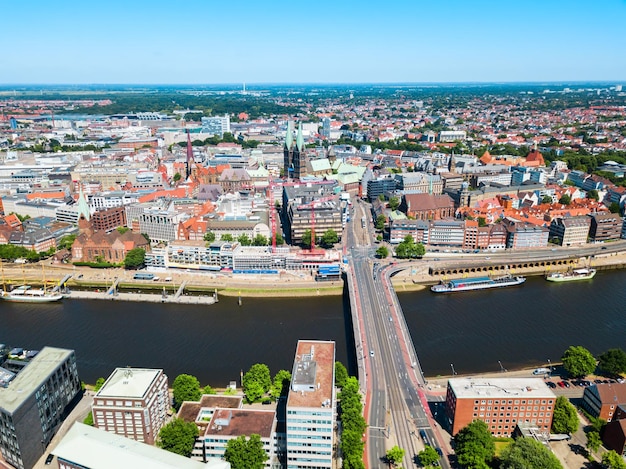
453,372
549,368
502,370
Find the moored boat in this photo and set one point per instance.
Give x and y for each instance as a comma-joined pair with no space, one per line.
477,283
26,294
576,274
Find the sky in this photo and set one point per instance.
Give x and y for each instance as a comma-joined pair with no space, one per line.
322,41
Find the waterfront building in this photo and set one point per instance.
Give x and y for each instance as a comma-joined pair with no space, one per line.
86,447
521,235
602,400
298,210
132,402
111,247
501,403
570,231
311,406
160,225
400,229
614,433
34,404
450,233
605,227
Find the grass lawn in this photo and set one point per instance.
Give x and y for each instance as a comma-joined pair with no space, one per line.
502,443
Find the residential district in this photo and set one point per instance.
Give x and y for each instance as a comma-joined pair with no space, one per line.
274,193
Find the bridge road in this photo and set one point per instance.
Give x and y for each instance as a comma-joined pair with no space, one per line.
396,411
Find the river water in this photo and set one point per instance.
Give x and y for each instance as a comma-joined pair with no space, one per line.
522,326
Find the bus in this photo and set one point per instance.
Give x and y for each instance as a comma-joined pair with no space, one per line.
143,276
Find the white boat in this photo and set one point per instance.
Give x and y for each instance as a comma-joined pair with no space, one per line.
25,294
576,274
477,283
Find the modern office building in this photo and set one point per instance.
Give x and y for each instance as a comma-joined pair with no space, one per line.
85,447
133,402
570,231
605,226
34,404
501,403
603,400
216,125
311,406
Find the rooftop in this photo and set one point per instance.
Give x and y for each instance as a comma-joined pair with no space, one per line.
97,449
237,422
189,410
31,377
313,376
466,388
128,382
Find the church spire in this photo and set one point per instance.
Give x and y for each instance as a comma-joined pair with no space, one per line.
289,136
83,206
189,156
300,138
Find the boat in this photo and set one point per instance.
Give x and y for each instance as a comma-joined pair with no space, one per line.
477,283
26,294
576,274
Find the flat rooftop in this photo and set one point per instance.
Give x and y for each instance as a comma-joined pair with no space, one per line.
31,377
498,388
97,449
189,410
313,376
129,382
237,422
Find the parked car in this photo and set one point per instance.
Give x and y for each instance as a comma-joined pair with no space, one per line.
49,459
551,384
561,384
566,383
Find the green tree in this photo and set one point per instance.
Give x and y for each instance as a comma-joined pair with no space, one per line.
593,441
208,390
329,239
408,248
613,361
593,194
209,236
395,455
382,252
260,240
256,382
474,445
122,229
306,239
353,424
578,361
546,199
134,258
178,437
394,203
614,207
380,222
185,388
341,374
227,237
98,385
612,460
428,457
177,177
66,242
565,417
244,240
527,453
244,453
279,239
482,221
565,199
280,386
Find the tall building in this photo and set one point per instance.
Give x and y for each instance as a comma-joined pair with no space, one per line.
311,406
294,160
132,402
34,404
501,403
216,125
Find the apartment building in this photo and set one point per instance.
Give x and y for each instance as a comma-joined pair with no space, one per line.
603,400
108,219
501,403
34,404
570,231
605,226
311,406
523,235
133,402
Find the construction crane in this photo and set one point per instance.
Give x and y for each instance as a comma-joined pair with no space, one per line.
311,205
272,209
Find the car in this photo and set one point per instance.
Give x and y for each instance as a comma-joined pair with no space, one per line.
423,435
566,383
597,381
487,258
49,459
371,353
551,384
603,248
561,384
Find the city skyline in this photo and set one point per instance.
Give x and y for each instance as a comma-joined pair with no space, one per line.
156,43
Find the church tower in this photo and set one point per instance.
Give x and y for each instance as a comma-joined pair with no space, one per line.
288,152
299,156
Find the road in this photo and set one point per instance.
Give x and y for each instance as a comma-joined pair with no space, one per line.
397,407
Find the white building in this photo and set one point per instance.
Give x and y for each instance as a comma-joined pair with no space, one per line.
311,406
216,125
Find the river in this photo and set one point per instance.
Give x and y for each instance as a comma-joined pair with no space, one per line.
521,326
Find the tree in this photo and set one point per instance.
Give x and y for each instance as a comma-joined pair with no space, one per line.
244,453
185,388
565,199
395,455
341,374
474,445
279,239
546,199
98,385
306,239
208,390
329,238
227,237
409,249
353,424
66,242
578,361
244,240
593,441
260,240
280,386
256,382
394,203
177,177
209,236
565,418
482,221
382,252
428,457
614,207
380,222
593,194
122,229
612,460
134,258
178,437
527,453
613,361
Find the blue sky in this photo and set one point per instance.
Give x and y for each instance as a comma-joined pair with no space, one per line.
322,41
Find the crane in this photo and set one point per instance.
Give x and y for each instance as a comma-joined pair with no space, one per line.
272,209
311,205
